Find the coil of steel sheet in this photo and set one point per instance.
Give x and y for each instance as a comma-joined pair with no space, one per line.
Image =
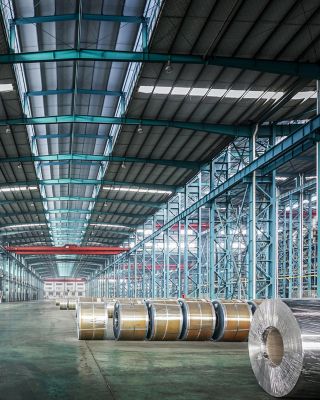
109,335
130,321
165,319
199,319
72,304
91,321
57,302
233,320
254,304
86,299
63,304
284,348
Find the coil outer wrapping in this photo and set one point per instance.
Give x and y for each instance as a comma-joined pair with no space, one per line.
165,319
284,348
233,320
92,321
199,319
130,321
63,304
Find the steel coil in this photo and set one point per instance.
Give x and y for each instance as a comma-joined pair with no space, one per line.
63,304
130,321
109,335
57,302
199,319
284,348
254,304
72,304
233,320
87,299
165,318
92,321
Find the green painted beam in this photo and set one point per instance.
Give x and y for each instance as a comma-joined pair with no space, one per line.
101,158
221,129
76,181
291,68
71,211
148,204
75,17
37,93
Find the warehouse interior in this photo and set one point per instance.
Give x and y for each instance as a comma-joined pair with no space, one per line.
160,151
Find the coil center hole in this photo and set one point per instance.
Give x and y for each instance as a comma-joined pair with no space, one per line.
273,345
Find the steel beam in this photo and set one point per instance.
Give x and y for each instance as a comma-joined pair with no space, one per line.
221,129
72,211
75,17
148,204
77,181
102,158
35,93
291,68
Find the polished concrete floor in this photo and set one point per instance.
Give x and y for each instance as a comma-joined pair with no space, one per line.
41,358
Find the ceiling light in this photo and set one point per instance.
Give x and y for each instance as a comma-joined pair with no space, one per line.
253,94
145,89
198,91
19,165
140,129
17,188
216,92
168,68
111,225
6,87
136,190
182,91
235,94
123,165
22,226
162,89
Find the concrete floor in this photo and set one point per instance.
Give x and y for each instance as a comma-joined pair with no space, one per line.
41,358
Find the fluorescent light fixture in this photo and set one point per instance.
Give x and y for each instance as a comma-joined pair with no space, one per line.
180,91
272,95
253,94
216,92
235,94
6,87
22,226
308,178
162,89
111,225
145,89
305,95
281,178
198,91
17,188
136,190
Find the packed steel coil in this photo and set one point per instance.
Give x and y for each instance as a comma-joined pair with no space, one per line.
233,320
109,335
254,304
92,321
72,304
63,304
199,319
284,348
130,321
57,302
87,299
165,318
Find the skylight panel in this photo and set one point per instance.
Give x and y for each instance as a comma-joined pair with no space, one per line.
162,89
